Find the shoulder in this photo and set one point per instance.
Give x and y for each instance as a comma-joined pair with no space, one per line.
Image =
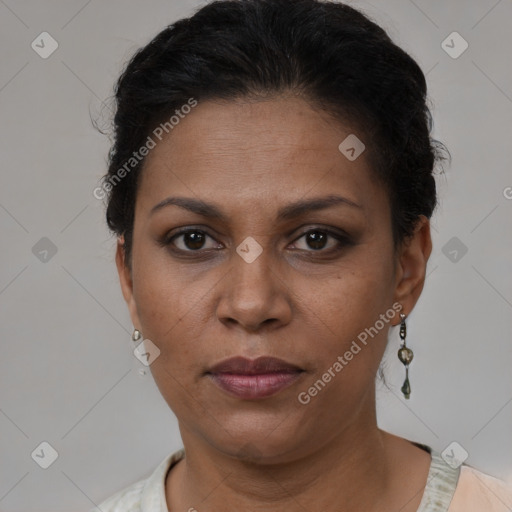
480,492
145,495
126,500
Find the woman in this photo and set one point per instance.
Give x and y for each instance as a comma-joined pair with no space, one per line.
271,185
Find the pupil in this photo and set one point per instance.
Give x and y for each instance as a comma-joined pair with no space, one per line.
317,239
194,240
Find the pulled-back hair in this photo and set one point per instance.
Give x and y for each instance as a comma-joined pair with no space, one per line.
329,54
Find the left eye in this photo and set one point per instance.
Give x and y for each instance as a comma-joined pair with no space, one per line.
316,239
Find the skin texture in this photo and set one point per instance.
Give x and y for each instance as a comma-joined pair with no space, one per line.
295,302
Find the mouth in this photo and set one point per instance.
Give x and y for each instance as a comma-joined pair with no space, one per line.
254,379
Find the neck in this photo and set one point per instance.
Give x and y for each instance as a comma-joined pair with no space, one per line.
349,472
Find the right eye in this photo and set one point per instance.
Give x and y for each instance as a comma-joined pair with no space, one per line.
190,240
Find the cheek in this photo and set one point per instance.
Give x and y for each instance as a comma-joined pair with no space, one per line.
361,287
175,310
350,338
347,311
348,318
168,313
161,303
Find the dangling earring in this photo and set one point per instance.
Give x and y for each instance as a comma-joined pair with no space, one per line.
137,335
405,354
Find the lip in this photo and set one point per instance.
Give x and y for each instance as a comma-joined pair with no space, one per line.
254,379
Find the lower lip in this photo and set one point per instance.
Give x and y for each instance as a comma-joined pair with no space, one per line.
252,387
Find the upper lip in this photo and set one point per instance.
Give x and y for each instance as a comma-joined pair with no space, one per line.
243,366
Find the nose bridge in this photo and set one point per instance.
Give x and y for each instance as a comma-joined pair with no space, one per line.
253,293
251,267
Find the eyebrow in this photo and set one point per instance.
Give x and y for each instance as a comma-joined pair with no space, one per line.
289,211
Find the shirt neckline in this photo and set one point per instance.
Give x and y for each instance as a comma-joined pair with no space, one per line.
441,483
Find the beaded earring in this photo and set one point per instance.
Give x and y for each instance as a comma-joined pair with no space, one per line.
405,354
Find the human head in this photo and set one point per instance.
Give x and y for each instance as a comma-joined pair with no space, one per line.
256,76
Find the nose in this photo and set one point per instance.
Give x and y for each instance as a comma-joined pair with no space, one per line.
255,294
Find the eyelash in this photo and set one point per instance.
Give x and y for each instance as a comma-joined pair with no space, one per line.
343,241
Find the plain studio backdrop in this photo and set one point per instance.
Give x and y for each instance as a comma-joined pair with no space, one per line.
71,387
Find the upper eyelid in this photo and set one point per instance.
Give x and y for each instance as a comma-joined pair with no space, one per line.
184,231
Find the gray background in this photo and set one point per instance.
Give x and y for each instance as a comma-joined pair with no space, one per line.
68,375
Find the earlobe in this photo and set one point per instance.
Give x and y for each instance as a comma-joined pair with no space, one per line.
412,264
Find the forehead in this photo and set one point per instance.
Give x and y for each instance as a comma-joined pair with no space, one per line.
255,154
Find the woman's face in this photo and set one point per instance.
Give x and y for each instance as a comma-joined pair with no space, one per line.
263,278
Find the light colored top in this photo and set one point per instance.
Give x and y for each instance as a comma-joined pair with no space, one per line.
448,489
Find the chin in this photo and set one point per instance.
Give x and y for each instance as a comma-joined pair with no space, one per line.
264,445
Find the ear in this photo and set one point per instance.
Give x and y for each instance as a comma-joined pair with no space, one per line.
126,281
412,265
